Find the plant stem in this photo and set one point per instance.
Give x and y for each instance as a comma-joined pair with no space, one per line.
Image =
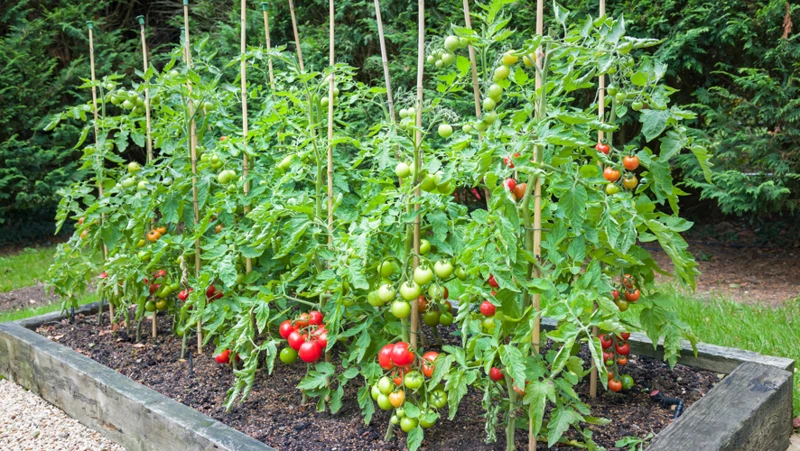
511,416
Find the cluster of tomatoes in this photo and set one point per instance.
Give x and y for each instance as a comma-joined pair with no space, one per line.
615,354
626,293
627,178
412,289
390,391
306,336
160,290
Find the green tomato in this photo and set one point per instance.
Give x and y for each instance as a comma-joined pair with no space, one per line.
373,299
446,319
438,398
445,130
446,187
461,274
401,309
489,104
627,381
395,420
408,424
612,188
288,355
425,423
400,412
385,385
489,325
466,128
443,269
133,168
375,392
423,275
495,92
612,90
142,186
481,126
128,182
431,318
128,105
428,183
501,73
286,162
384,403
438,64
413,380
490,117
410,290
424,246
386,293
448,58
620,97
430,60
386,268
452,43
150,306
402,170
161,305
435,292
637,106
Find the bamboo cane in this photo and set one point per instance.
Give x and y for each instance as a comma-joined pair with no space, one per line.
269,45
96,145
193,155
148,127
296,36
475,86
385,60
418,158
331,98
601,98
537,208
243,76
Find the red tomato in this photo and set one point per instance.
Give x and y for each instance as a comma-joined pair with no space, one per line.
487,308
623,349
605,341
302,320
631,163
608,355
322,339
622,361
615,294
296,339
427,363
210,291
511,184
632,296
401,356
611,174
310,352
103,275
492,283
159,274
495,374
446,293
223,357
154,287
625,335
385,357
315,317
507,160
286,329
184,295
614,386
602,148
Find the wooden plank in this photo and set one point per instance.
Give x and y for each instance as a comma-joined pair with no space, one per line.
751,409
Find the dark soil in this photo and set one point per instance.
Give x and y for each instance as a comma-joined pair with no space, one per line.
274,415
22,298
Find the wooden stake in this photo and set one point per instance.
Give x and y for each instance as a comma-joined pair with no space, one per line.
475,85
418,158
296,37
187,53
269,45
155,324
601,98
537,207
96,145
243,76
331,99
385,60
146,92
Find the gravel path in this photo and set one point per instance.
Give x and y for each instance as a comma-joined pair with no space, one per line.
29,423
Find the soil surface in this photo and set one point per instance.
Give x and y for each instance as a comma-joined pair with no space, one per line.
22,298
273,412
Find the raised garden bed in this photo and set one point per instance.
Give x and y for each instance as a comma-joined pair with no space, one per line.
749,409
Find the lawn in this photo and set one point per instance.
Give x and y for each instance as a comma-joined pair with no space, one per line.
25,268
41,310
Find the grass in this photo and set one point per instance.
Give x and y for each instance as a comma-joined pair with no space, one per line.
25,268
766,330
41,310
